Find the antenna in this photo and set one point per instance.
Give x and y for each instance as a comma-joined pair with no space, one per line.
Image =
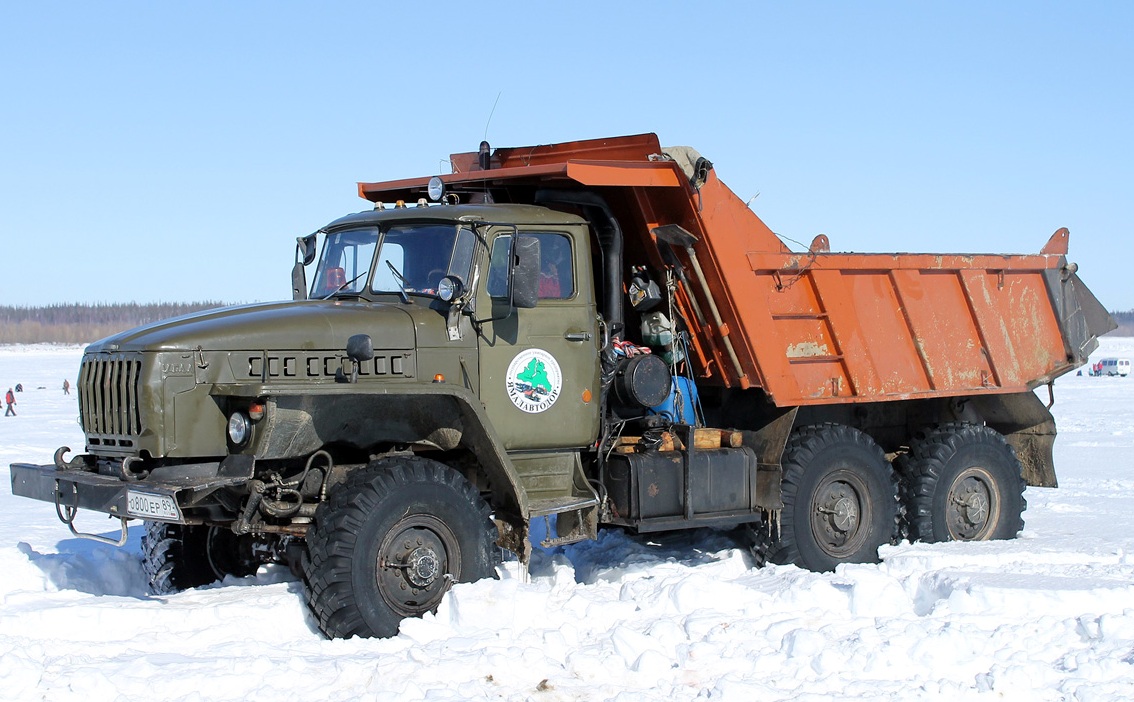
490,113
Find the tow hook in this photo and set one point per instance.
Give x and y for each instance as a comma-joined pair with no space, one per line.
75,463
129,475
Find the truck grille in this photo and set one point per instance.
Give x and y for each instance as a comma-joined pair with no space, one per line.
109,399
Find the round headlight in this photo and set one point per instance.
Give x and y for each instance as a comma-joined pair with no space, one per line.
436,188
238,428
449,288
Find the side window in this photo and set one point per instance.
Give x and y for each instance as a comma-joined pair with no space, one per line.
498,267
556,275
556,272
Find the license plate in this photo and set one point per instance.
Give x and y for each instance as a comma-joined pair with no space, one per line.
147,506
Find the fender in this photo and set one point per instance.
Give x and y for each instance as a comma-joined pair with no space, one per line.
304,419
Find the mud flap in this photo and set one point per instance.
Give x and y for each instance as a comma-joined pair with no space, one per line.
1028,427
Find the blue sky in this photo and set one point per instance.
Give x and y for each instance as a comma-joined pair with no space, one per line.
173,151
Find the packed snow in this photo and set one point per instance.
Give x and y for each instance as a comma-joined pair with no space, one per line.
1048,616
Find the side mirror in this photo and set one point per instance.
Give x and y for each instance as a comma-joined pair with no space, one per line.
305,249
359,348
525,271
304,255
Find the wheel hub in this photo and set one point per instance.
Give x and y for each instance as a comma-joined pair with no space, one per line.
422,566
838,514
839,509
972,507
975,509
845,515
414,563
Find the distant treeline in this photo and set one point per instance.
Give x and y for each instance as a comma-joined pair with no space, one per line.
82,324
1125,323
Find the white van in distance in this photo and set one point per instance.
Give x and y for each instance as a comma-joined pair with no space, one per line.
1115,366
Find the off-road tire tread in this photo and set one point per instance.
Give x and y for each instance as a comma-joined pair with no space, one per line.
803,445
173,558
930,452
327,567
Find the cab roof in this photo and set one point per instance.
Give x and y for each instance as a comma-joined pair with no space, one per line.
510,213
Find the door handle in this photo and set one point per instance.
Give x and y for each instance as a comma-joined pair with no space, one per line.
577,336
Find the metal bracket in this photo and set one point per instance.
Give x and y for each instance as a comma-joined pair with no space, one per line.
72,510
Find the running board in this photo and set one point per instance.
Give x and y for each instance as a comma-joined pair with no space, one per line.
558,505
579,513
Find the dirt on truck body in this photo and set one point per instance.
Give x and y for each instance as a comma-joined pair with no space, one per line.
596,333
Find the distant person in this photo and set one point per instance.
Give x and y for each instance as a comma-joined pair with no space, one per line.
19,387
10,398
66,386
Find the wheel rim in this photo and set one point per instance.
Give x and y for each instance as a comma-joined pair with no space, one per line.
416,563
973,505
838,514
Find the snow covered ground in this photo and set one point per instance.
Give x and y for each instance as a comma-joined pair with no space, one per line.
1049,616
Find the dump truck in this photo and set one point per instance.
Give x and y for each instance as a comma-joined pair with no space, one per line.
583,335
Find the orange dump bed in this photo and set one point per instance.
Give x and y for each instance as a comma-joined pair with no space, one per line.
815,326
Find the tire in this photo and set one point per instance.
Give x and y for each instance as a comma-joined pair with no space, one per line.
177,557
388,543
840,499
963,483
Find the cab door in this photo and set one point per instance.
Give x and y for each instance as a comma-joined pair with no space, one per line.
539,367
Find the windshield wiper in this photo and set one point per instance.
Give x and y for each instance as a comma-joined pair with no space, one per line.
344,286
400,279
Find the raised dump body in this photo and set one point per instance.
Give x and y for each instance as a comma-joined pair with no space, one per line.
816,326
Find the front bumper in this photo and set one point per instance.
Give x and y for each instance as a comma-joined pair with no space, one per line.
183,489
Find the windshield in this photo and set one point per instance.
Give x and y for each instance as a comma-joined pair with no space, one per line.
413,258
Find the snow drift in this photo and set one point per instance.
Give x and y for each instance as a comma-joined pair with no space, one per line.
1048,616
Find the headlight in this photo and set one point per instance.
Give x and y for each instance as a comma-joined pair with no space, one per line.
239,428
449,288
435,189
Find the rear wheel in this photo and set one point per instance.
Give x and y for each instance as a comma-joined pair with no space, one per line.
178,556
964,483
840,499
390,541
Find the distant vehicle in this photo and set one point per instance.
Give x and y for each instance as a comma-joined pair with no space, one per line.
1115,366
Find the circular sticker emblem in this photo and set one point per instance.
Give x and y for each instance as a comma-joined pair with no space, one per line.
534,380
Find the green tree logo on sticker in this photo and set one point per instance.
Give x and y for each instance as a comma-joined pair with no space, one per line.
535,376
534,380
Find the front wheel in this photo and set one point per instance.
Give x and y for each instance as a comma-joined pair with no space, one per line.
964,483
840,499
390,541
177,557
